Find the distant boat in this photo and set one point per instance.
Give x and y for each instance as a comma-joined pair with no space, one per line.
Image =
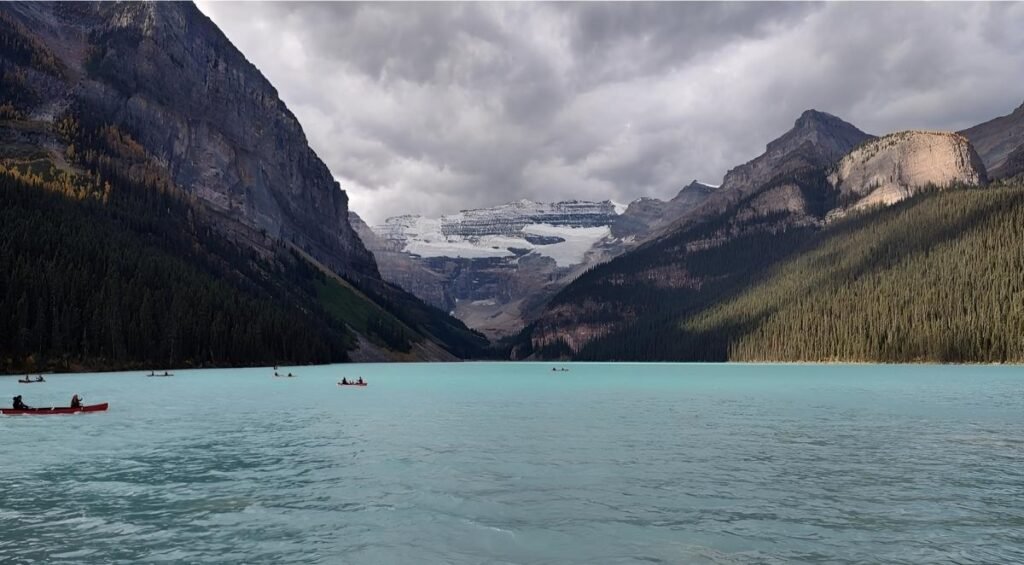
28,380
364,383
166,374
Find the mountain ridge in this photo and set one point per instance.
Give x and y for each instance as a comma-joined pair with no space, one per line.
1000,143
127,104
796,188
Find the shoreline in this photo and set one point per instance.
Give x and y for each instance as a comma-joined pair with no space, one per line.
546,364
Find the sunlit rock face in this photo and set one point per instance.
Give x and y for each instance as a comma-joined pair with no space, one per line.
891,168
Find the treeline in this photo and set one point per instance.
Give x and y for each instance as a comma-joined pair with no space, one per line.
935,278
112,266
938,278
83,283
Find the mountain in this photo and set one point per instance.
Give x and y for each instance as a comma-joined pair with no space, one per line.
765,212
933,278
783,190
147,109
493,267
893,167
645,216
1000,143
786,180
165,75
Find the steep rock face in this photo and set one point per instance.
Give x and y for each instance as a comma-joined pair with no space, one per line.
784,189
1000,143
818,137
786,181
399,268
167,76
891,168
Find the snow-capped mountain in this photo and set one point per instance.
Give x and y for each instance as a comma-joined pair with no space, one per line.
494,268
563,231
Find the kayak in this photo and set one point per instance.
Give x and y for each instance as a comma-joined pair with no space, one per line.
28,382
55,410
352,384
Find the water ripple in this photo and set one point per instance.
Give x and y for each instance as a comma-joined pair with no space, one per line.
502,463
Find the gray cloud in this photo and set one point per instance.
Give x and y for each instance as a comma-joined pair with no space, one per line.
431,108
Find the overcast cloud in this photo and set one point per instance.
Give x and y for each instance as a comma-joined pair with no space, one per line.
432,108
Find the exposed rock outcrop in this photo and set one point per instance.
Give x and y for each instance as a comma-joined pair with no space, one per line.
891,168
786,180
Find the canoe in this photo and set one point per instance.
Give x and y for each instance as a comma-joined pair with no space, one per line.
29,382
55,410
352,384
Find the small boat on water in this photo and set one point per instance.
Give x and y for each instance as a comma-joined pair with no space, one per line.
53,410
28,380
352,384
166,374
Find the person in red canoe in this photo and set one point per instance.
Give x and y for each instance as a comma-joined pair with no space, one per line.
76,402
18,404
344,381
360,381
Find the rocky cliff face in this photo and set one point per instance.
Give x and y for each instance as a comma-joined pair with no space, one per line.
400,268
816,137
782,189
822,168
783,186
891,168
165,75
1000,143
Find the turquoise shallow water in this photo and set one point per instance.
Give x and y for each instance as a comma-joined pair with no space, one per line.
511,463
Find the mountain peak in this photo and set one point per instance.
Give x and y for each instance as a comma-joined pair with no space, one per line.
814,119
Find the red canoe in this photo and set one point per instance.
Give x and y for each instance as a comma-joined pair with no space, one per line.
352,384
55,410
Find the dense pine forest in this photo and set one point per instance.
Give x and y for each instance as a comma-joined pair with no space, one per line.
105,264
936,278
109,285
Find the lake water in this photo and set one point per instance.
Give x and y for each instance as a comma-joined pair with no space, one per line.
512,463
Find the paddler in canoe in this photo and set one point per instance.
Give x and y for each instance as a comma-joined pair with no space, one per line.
18,404
76,402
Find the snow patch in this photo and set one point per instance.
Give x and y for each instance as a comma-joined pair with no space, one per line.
577,242
493,232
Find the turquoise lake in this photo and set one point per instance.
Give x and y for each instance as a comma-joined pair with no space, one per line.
513,463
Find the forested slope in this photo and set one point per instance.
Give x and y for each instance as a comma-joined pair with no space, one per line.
939,277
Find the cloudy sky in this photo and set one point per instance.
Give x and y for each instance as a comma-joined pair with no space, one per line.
432,108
